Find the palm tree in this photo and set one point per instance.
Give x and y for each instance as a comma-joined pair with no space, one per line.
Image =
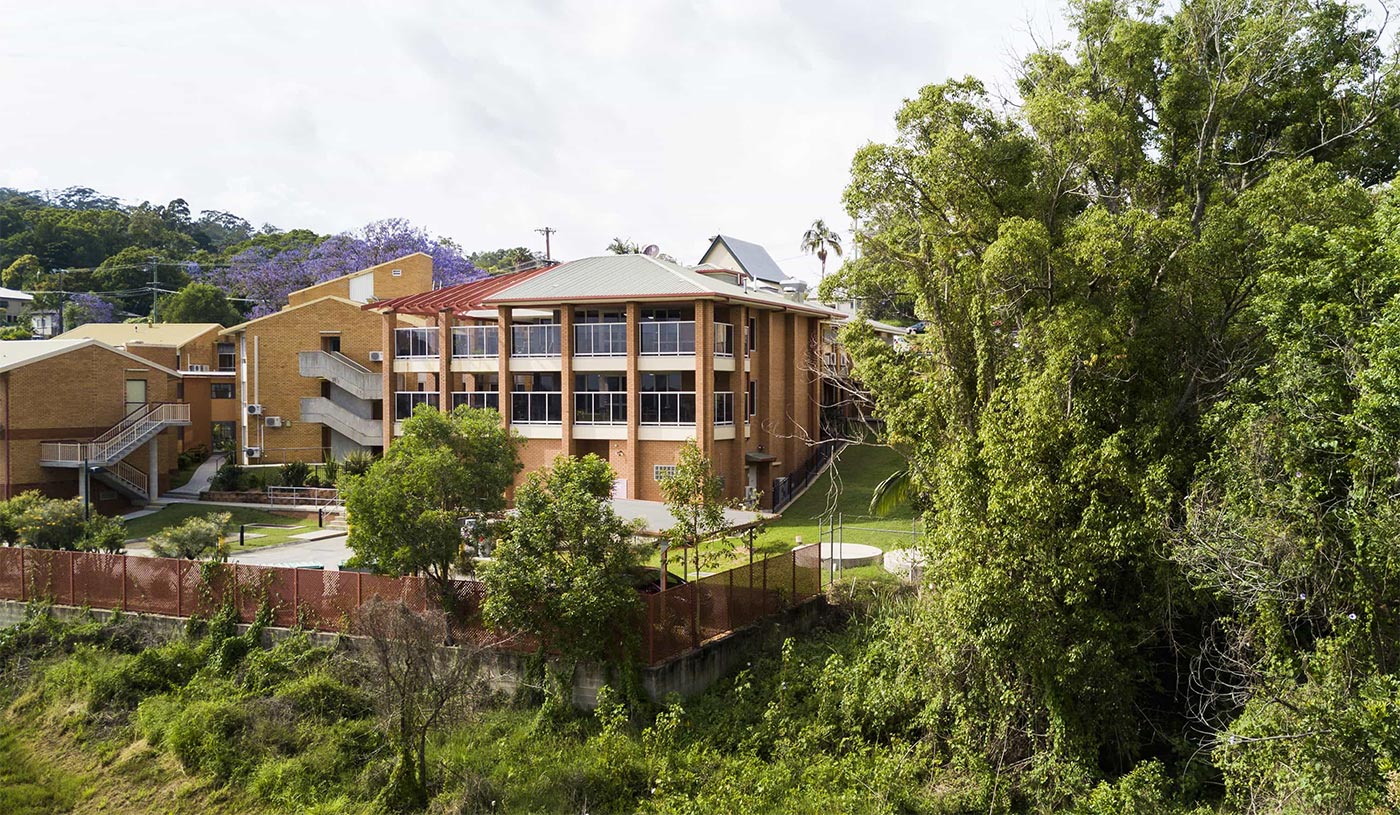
819,239
894,492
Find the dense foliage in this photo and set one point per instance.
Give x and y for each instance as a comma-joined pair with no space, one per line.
1152,411
34,520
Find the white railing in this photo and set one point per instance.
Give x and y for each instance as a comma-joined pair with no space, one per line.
536,407
415,343
134,478
406,401
600,340
475,341
724,340
724,407
477,399
668,338
304,496
118,441
535,340
600,407
676,408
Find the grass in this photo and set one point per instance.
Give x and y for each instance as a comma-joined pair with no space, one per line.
29,786
148,525
844,488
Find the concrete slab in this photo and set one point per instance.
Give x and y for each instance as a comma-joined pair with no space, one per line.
329,552
320,534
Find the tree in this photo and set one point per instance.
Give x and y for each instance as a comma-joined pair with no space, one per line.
126,277
23,273
406,514
198,537
88,308
624,247
496,261
563,570
419,686
820,239
1088,266
694,494
198,303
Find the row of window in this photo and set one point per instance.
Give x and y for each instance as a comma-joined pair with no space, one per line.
663,337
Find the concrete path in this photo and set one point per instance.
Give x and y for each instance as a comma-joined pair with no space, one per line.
328,552
199,482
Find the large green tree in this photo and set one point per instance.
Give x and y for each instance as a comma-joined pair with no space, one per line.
1088,266
198,303
406,513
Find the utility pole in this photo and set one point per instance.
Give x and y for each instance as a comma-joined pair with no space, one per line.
546,232
155,292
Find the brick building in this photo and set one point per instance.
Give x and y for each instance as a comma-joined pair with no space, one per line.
83,418
206,363
309,376
624,356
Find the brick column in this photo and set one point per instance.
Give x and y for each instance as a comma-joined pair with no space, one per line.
566,379
634,408
815,328
444,387
503,315
388,374
739,475
789,411
705,376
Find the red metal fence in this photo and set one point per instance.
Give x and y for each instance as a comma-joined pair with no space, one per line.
683,617
676,620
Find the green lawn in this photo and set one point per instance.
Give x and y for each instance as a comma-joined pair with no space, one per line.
148,525
846,488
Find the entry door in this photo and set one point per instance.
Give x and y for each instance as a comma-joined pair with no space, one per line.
619,488
135,394
753,476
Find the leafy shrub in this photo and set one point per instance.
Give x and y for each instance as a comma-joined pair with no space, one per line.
230,476
208,737
321,695
195,538
330,471
193,457
294,473
104,533
313,480
283,662
320,773
357,463
154,670
50,524
11,510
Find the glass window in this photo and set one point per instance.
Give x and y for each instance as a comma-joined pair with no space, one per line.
221,390
228,356
753,397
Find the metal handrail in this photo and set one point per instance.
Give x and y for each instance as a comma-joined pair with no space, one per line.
600,340
133,477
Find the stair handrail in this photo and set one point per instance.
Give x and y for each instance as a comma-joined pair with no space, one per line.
136,415
114,447
357,367
133,476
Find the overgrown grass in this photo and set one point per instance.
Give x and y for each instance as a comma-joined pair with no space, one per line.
173,515
29,786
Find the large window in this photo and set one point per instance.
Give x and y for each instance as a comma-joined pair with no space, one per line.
406,401
669,338
536,399
600,399
410,343
663,402
228,356
221,390
540,340
222,434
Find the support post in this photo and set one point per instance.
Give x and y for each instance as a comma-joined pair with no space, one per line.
123,557
153,471
179,588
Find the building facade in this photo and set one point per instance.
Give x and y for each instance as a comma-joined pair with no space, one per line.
623,356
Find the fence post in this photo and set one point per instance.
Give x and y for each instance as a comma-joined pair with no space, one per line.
72,571
729,603
123,557
23,584
651,630
359,589
792,601
695,615
179,588
296,598
765,584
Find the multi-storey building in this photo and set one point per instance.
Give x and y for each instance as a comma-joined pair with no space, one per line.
78,417
309,376
624,356
206,363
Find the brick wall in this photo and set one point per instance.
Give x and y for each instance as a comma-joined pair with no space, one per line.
415,275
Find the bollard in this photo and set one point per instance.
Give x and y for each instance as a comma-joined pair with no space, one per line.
320,517
241,529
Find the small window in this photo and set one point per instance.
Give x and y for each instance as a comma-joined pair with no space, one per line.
397,273
753,397
661,471
228,357
221,390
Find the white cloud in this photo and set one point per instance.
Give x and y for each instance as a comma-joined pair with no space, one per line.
663,122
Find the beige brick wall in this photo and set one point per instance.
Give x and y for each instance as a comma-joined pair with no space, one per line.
415,275
73,396
274,376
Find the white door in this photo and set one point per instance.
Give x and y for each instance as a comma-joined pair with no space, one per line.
619,488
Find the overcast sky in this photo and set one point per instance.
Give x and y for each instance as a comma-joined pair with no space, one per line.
662,122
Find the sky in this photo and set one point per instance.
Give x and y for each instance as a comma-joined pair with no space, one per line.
660,122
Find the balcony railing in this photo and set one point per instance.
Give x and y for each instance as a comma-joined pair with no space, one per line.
415,343
477,399
600,340
536,407
670,338
600,407
724,407
724,340
475,341
677,408
406,401
534,340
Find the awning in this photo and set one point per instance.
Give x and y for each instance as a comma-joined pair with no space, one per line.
759,458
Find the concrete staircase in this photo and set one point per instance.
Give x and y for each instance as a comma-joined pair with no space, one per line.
362,431
104,456
342,372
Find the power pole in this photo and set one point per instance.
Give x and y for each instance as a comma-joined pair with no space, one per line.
546,232
155,292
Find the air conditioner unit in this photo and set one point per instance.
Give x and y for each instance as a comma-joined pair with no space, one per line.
197,368
376,356
272,421
255,410
253,452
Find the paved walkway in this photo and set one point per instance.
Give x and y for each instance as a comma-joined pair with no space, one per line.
199,482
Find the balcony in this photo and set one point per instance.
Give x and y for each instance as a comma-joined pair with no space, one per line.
406,401
668,338
535,340
415,343
600,407
475,342
477,399
537,407
724,340
724,408
600,340
668,409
